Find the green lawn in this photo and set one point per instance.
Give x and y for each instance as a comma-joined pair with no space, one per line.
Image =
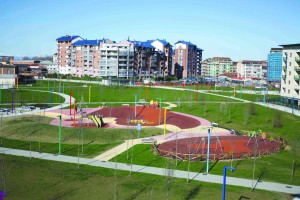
55,180
274,168
228,113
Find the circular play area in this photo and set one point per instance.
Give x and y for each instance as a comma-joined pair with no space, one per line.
189,134
220,147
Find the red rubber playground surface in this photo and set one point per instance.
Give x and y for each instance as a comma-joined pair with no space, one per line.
221,148
149,116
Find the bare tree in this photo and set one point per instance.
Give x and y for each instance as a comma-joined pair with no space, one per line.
169,175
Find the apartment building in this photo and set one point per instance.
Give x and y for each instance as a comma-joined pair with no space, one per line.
7,76
117,59
64,52
252,69
274,65
163,56
146,61
188,59
216,66
85,58
290,82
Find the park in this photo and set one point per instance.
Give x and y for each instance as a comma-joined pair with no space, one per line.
197,129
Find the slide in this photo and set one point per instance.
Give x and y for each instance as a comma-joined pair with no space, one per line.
95,121
98,121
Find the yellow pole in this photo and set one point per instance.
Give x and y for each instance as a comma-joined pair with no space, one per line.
17,83
165,120
89,94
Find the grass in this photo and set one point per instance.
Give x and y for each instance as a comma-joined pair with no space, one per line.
19,132
235,115
26,97
274,168
47,180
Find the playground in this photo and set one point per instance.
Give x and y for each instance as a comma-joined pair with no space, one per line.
189,134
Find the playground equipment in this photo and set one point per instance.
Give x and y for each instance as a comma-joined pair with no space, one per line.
98,121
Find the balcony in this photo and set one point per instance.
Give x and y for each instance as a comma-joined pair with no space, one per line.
297,68
284,59
297,59
297,78
283,77
283,68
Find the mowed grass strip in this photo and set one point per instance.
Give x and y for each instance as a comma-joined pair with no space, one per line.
43,179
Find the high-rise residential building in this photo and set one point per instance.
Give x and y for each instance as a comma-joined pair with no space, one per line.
145,60
85,58
64,52
216,66
188,59
290,82
117,59
252,69
163,50
274,65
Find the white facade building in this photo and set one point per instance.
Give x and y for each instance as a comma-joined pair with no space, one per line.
251,69
290,82
117,59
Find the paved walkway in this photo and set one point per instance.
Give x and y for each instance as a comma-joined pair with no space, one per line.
106,156
65,103
275,187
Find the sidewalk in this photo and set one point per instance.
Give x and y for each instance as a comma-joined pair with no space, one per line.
275,187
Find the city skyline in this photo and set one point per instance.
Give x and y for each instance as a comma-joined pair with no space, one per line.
235,29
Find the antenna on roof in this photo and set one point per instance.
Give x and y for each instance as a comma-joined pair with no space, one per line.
128,39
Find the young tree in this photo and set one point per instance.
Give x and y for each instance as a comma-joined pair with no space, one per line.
169,175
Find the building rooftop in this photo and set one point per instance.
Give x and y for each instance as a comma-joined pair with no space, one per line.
221,58
276,49
289,45
87,42
67,38
146,44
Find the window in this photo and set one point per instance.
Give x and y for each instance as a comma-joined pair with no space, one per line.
289,82
290,64
289,72
290,54
288,91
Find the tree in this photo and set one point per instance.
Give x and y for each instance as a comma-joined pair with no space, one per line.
223,110
277,120
169,173
252,110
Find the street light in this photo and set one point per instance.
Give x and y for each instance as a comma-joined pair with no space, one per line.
59,136
135,96
224,181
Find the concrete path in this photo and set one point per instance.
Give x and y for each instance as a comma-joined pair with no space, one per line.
106,156
65,103
270,186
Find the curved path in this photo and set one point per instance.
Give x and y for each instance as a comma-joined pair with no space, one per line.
65,103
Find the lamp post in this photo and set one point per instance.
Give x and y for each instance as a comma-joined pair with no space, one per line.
224,181
59,136
135,96
12,100
51,97
208,148
159,110
63,88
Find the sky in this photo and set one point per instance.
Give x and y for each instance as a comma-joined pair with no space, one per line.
239,29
